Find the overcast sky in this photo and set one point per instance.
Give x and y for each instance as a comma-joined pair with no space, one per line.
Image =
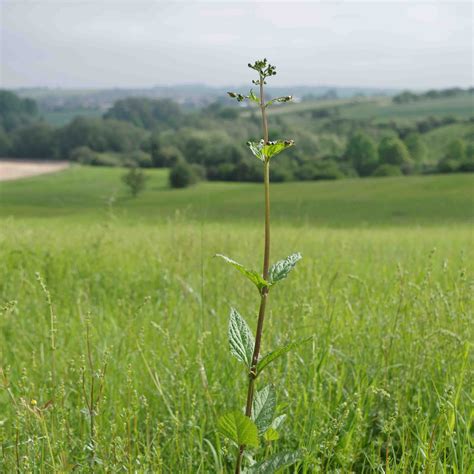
135,43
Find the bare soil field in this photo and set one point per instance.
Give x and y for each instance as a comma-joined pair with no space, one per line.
16,169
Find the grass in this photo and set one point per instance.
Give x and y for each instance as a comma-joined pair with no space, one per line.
88,193
137,308
383,109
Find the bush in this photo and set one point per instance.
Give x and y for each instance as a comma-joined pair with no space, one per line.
165,157
448,165
141,159
467,165
83,155
182,175
135,179
387,170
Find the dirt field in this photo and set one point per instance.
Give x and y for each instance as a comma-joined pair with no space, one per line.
16,169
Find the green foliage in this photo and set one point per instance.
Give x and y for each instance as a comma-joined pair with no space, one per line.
387,170
241,340
182,175
253,276
239,428
362,153
265,151
281,269
276,462
142,272
392,151
83,155
99,135
5,143
456,150
34,141
146,113
135,179
15,112
416,147
263,408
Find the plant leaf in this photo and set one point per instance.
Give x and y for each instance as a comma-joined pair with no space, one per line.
239,428
241,341
257,149
280,269
253,276
271,434
286,98
265,152
253,97
271,356
263,408
275,147
271,465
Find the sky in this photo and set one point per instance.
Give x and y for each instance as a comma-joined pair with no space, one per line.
135,43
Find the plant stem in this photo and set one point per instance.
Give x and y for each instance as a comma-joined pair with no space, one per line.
264,294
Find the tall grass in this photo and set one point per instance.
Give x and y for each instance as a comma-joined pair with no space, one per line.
139,329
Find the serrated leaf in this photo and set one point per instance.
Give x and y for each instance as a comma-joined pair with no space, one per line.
265,152
239,428
278,461
282,268
241,340
253,276
271,356
278,421
275,147
263,408
257,149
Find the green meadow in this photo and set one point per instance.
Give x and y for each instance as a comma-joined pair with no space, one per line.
114,313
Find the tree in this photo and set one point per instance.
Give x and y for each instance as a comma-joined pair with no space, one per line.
5,143
456,150
392,151
417,147
34,141
182,175
362,153
146,113
135,179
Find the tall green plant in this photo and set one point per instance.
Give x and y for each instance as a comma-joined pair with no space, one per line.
258,420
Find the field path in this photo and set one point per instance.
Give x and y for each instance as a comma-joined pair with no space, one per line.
16,169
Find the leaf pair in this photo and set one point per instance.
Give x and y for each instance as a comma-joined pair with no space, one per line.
277,272
242,343
244,430
264,151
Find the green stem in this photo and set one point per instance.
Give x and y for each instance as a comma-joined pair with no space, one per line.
264,294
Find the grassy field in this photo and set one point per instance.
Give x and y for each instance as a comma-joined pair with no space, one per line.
382,108
89,193
120,300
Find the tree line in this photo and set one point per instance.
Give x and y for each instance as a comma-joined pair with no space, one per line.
208,143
